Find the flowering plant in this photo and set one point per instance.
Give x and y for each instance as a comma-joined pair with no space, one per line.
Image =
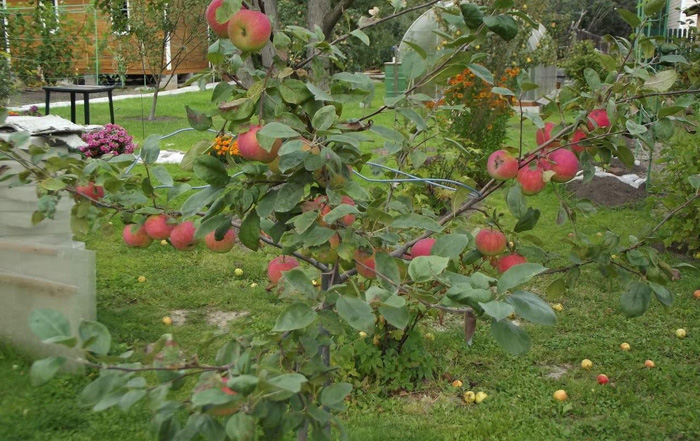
112,139
33,111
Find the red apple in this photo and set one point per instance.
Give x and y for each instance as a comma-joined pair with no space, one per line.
278,265
221,246
346,220
507,262
545,134
531,179
91,191
563,163
136,237
364,263
159,226
249,30
502,165
598,118
249,148
579,135
422,247
602,379
219,29
182,236
490,242
334,241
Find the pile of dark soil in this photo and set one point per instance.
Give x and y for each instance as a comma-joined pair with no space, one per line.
607,191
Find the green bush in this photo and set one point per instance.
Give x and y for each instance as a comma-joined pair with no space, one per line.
680,159
584,57
7,79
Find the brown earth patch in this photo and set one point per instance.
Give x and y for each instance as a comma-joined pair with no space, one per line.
607,191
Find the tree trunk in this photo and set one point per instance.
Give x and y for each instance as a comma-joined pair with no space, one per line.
154,101
269,7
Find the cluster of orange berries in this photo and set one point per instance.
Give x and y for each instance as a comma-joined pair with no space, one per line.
466,86
223,145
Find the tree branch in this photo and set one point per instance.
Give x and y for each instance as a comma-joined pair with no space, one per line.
332,17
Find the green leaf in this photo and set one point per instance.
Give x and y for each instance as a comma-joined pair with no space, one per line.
496,309
663,295
53,184
288,382
360,36
49,325
635,300
654,6
193,153
333,396
198,120
412,220
528,221
426,268
297,280
241,427
95,337
630,18
450,245
211,170
324,118
294,91
694,181
532,308
635,129
518,275
503,91
592,78
356,312
467,294
150,149
198,200
662,81
131,397
663,129
161,173
396,316
504,26
249,233
386,265
45,369
515,199
296,316
278,130
416,47
318,93
481,72
473,17
512,338
413,66
339,212
673,59
288,197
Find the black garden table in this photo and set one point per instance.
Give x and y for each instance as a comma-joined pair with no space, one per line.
86,91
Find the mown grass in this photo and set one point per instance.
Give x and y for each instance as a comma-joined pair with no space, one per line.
639,403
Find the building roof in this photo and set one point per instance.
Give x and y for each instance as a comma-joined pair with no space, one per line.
693,10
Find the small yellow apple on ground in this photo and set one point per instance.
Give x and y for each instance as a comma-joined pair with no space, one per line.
167,321
649,364
625,346
586,364
238,272
469,397
163,242
253,285
560,395
558,307
457,383
696,294
680,333
142,279
430,336
599,234
362,334
480,397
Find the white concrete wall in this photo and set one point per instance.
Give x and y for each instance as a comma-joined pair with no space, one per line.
676,17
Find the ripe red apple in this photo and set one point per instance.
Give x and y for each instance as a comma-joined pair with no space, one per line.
490,242
249,148
159,226
598,118
563,163
422,247
278,265
531,179
219,29
365,264
91,191
545,134
346,220
136,237
602,379
182,236
249,30
579,135
507,262
221,246
502,165
334,241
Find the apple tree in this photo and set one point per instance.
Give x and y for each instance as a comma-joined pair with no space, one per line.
386,262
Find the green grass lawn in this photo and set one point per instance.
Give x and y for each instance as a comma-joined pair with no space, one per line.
655,404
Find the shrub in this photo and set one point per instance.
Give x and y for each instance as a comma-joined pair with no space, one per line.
680,158
113,139
584,57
